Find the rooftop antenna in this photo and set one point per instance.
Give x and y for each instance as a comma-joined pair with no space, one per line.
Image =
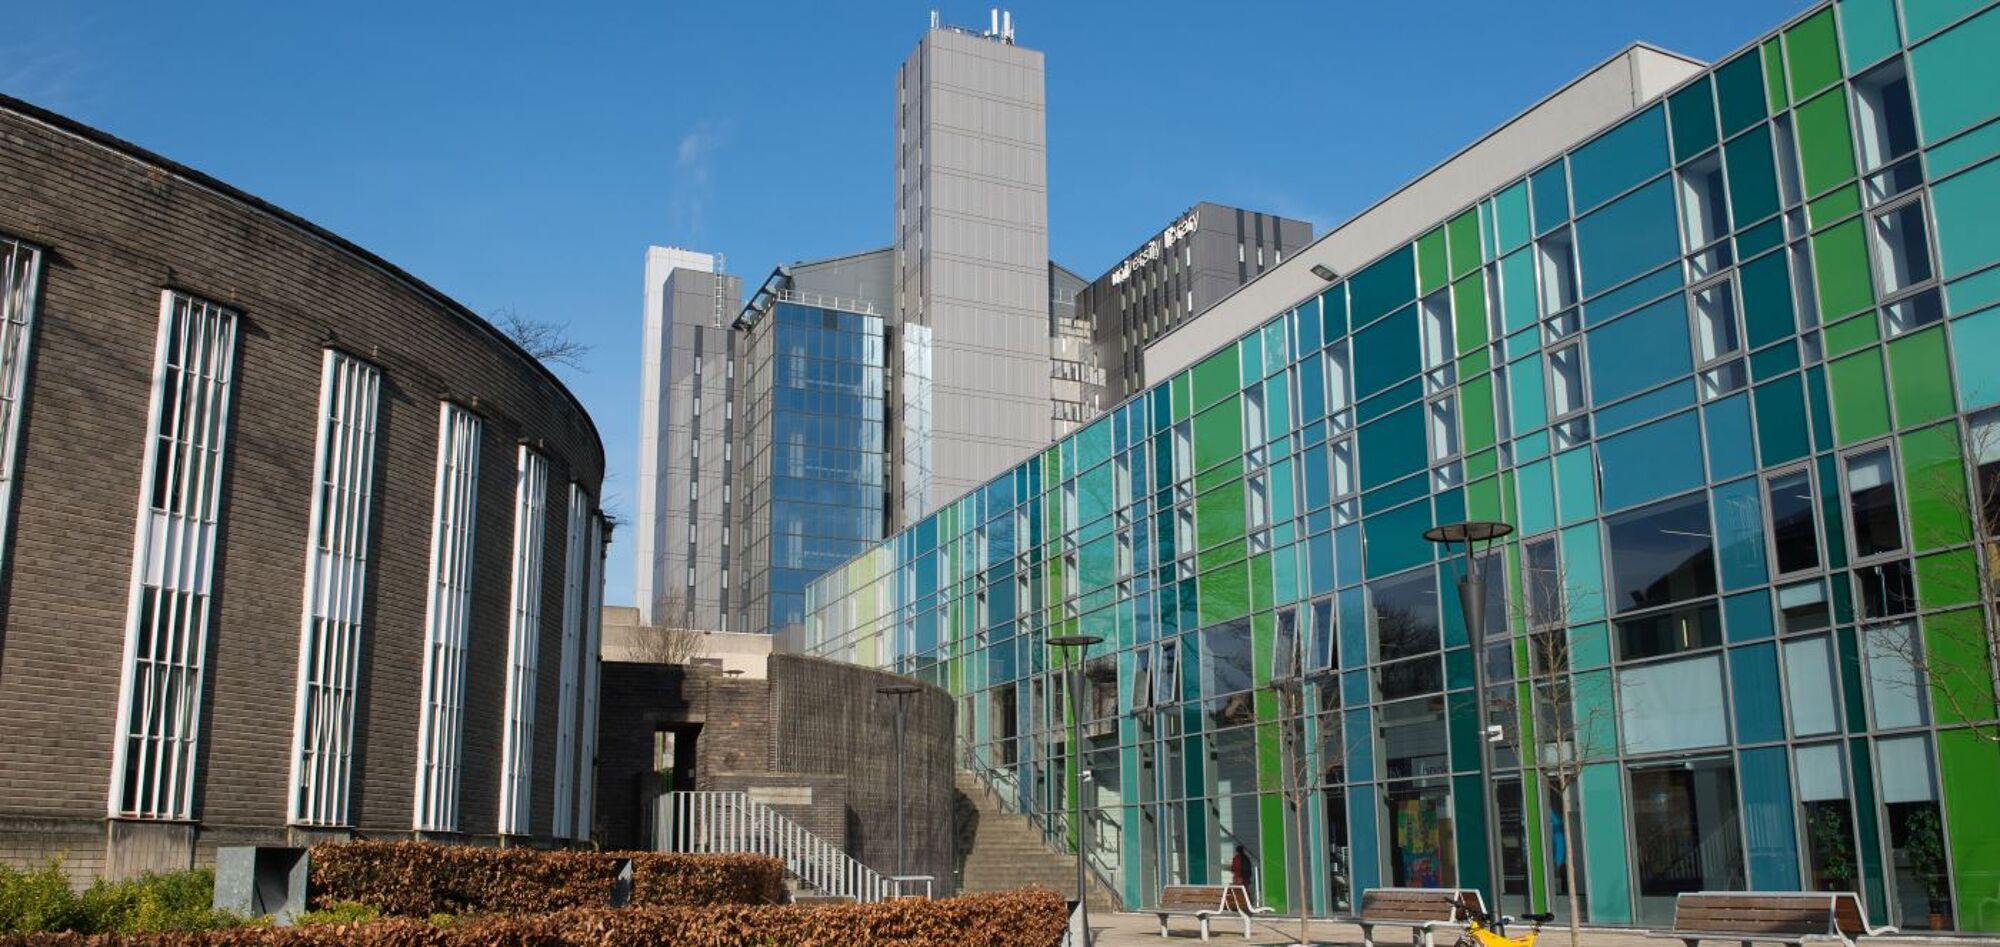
994,30
1007,26
934,19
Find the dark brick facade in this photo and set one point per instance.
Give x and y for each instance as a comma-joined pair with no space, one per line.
116,226
813,724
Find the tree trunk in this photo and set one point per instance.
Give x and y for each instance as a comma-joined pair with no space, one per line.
1571,840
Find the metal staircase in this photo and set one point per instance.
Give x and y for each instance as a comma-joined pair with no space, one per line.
717,822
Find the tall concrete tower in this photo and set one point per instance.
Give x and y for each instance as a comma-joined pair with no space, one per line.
687,407
968,344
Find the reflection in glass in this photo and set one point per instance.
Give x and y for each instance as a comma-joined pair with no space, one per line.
1794,522
1828,818
1919,883
1685,834
1404,612
1871,498
1662,554
1420,842
1413,738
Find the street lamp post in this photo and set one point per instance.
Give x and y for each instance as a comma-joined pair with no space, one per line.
1479,539
1079,643
902,694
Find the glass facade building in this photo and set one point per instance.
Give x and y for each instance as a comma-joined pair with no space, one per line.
813,382
1729,369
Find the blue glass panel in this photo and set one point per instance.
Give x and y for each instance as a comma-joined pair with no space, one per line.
1638,351
1747,617
1731,449
1644,289
1365,845
1321,553
1318,492
1627,237
1550,189
1312,389
1354,688
1645,407
1393,447
1395,540
1353,628
1647,463
1383,285
1768,832
1616,160
1386,353
1307,327
1739,524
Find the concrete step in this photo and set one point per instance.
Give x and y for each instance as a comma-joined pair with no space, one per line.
1001,850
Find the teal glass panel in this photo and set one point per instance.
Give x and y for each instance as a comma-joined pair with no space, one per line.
1576,486
1627,237
1396,539
1347,555
1353,629
1583,570
1388,401
1393,447
1924,17
1739,524
1250,356
1646,288
1550,189
1333,312
1362,832
1954,74
1524,395
1739,93
1769,363
1966,208
1634,150
1536,484
1650,462
1964,151
1731,448
1867,32
1978,378
1692,111
1816,402
1590,646
1865,823
1470,829
1306,323
1517,290
1767,300
1510,212
1760,238
1781,421
1449,506
1604,845
1748,616
1753,179
1319,549
1653,404
1769,837
1394,495
1975,292
1753,688
1387,352
1640,350
1383,285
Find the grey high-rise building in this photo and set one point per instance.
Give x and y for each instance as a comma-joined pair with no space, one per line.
1191,264
968,337
687,406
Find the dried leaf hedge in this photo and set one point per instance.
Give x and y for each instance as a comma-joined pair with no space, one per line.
1033,917
419,879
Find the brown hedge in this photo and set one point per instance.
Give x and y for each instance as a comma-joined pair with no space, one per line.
419,879
1032,917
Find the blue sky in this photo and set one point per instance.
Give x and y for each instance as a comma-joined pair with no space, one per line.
523,155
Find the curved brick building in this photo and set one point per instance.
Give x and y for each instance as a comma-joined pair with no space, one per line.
294,546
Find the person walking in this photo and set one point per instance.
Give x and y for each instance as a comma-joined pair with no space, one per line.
1242,873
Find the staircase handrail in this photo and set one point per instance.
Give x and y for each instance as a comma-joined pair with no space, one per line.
713,821
1046,822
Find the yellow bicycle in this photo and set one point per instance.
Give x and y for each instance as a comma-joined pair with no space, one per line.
1490,930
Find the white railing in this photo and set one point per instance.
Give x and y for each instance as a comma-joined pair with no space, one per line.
730,822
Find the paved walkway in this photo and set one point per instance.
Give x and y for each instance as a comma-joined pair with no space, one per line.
1143,930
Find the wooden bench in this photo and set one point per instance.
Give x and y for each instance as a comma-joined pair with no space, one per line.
1419,909
1779,917
1203,902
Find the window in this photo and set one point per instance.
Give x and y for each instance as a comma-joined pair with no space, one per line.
1887,128
1810,692
1541,579
576,570
1902,248
1919,884
20,277
1443,415
1803,607
1558,258
1437,338
1672,705
524,635
1716,335
1403,611
1338,380
1686,833
1342,454
1983,446
1794,522
335,591
174,551
1259,488
1895,682
1661,554
1886,589
1705,210
1827,814
448,620
593,634
1871,502
1566,381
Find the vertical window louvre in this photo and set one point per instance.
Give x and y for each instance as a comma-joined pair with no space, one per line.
174,550
20,274
448,619
576,569
593,628
517,755
335,591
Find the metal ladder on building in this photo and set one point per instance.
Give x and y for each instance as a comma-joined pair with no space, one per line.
715,822
717,281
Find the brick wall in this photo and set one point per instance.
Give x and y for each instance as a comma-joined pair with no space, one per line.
117,226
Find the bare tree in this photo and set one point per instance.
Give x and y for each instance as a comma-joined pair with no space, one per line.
674,639
546,341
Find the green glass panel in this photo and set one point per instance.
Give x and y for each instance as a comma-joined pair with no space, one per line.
1946,579
1386,353
1867,32
1774,75
1753,179
1833,206
1538,499
1432,266
1969,769
1468,307
1475,363
1463,233
1812,54
1934,488
1262,596
1510,212
1852,333
1486,253
1224,594
1179,388
1214,476
1860,399
1271,829
1781,421
1954,74
1216,377
1517,290
1978,378
1218,514
1393,447
1476,413
1956,646
1739,93
1631,152
1840,271
1767,299
1604,832
1869,830
1920,377
1691,112
1826,146
1966,208
1218,434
